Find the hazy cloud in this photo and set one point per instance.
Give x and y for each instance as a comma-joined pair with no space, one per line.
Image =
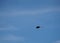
57,41
8,27
30,12
11,37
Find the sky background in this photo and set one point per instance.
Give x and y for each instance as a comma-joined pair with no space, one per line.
19,18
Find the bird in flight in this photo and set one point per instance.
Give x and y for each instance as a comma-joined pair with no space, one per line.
37,27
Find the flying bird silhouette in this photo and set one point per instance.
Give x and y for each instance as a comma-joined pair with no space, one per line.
37,27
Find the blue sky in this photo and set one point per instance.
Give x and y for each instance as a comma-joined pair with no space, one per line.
18,19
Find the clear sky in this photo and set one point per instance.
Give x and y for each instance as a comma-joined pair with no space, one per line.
18,19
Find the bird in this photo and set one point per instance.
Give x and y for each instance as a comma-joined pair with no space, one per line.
37,27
